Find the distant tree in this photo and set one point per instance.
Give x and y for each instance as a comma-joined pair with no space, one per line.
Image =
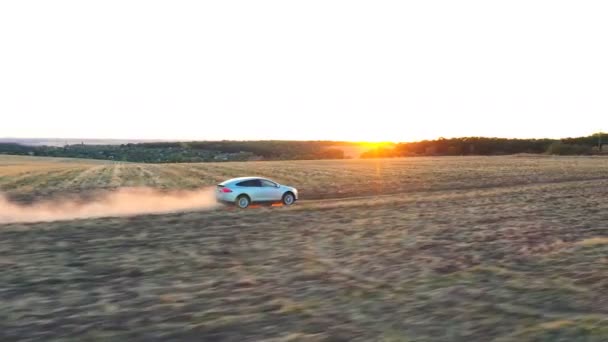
332,153
561,148
454,150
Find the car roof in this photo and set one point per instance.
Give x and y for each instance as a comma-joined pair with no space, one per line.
240,179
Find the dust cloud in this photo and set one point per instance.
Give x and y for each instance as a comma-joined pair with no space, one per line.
120,202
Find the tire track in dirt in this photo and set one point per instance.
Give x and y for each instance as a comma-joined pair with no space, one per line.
115,179
44,181
174,176
521,185
203,175
81,179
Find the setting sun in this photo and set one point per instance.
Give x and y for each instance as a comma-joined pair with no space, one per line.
374,145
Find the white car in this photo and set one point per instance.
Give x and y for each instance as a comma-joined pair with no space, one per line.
244,191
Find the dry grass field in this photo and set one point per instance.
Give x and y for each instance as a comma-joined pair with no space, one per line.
422,249
29,178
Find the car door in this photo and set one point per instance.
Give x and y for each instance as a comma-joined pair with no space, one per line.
270,191
252,188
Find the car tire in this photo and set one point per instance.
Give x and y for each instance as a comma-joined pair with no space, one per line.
289,198
243,201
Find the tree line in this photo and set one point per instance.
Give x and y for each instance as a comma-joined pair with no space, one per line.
490,146
180,152
207,151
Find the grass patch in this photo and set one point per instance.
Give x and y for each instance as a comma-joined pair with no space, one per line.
591,242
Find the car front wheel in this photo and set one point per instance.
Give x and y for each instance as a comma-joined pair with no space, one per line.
288,198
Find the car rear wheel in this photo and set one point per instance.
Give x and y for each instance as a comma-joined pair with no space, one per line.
243,201
288,198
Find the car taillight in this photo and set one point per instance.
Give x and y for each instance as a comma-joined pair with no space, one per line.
226,190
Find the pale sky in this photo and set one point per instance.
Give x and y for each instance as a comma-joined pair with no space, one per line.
339,70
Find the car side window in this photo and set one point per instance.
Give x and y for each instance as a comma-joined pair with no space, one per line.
267,183
245,183
250,183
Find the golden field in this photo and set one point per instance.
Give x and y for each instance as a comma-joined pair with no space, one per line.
421,249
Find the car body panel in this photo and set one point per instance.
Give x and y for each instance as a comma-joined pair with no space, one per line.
270,191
